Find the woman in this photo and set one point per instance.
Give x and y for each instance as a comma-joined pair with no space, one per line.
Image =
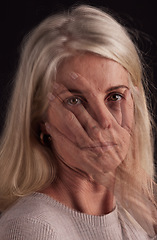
76,158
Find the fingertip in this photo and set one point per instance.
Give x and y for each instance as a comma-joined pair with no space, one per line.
73,75
128,93
47,126
50,96
55,85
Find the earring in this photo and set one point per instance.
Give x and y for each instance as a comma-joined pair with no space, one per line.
45,139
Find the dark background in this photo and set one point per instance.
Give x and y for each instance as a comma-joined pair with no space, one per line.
17,18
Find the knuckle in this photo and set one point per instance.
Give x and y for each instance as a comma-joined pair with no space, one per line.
96,132
69,117
80,141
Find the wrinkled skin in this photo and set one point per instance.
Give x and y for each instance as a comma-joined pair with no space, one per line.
90,116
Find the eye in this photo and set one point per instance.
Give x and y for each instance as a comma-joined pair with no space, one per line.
114,97
72,101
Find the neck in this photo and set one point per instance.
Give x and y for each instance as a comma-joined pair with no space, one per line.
79,193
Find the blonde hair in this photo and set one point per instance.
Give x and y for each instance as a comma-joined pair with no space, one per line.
27,166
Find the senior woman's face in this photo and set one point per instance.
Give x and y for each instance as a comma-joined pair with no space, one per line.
91,114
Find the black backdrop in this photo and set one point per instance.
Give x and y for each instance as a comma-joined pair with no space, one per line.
19,17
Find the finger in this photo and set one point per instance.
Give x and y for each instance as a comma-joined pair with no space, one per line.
76,79
58,89
66,122
89,124
69,151
83,161
92,160
79,111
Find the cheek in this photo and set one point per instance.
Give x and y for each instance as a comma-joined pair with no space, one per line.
130,115
123,112
62,154
115,110
56,147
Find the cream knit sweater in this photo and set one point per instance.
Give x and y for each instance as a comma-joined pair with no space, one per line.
39,217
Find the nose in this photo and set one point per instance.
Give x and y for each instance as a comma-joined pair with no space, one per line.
101,114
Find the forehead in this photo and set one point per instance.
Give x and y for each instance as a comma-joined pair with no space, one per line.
96,71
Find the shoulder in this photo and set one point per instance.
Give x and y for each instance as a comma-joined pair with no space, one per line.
24,228
38,216
35,205
28,219
134,229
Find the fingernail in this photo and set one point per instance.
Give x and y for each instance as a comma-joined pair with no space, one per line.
47,125
55,85
50,96
127,93
73,75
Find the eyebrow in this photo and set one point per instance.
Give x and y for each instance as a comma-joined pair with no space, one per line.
117,87
108,90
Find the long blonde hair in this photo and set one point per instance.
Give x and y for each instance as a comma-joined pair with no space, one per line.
25,165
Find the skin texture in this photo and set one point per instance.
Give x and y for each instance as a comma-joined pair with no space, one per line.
90,119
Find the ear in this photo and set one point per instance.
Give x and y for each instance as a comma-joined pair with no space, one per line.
45,138
43,128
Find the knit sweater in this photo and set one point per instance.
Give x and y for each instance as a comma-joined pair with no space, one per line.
39,217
